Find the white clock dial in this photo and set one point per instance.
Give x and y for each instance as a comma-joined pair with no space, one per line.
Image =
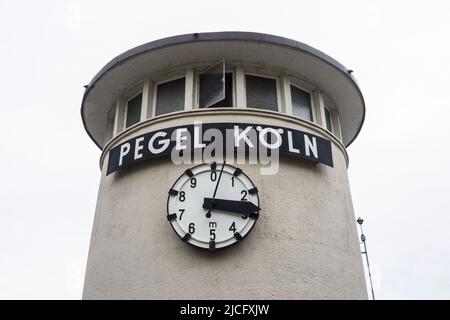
213,206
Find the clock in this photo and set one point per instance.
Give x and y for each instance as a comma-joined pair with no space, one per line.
213,206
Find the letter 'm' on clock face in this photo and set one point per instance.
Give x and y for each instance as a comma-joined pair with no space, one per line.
213,206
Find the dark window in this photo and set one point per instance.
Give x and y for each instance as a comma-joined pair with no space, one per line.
328,120
170,96
261,93
210,96
134,110
110,123
228,101
301,103
215,87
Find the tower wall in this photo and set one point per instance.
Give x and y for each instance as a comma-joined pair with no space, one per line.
303,246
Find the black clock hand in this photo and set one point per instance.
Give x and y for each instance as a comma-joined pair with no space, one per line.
208,214
245,207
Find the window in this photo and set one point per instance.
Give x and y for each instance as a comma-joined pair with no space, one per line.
110,117
208,97
215,87
228,101
301,103
261,93
170,96
328,120
134,110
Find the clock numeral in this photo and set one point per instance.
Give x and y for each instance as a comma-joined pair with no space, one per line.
233,227
191,228
181,212
245,216
213,176
232,181
244,193
212,234
193,183
182,196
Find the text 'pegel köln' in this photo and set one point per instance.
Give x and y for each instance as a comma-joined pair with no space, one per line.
215,141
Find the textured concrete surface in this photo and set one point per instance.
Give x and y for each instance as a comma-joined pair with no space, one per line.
304,246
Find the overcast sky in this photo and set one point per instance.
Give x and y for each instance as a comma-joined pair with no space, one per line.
399,165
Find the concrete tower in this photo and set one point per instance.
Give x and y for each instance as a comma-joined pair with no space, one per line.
294,234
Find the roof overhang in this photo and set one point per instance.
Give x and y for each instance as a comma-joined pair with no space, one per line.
136,64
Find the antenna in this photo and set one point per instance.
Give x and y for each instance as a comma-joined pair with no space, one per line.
363,239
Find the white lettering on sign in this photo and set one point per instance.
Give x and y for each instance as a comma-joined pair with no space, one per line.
263,133
248,143
197,138
138,147
291,143
311,146
238,136
164,143
124,149
180,138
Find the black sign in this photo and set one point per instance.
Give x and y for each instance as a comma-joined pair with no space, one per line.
225,138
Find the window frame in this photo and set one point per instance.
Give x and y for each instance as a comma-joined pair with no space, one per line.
126,110
233,84
337,131
311,100
277,85
325,108
110,134
155,94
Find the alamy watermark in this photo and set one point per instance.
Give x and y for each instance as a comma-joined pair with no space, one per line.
251,145
235,143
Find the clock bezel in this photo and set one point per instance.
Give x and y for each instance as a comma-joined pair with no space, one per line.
218,165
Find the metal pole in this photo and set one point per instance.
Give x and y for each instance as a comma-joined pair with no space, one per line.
363,239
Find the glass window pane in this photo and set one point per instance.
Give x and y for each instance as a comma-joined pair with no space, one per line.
228,100
110,123
328,120
261,93
212,86
301,103
170,96
134,110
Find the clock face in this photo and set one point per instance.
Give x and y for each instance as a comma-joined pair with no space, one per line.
213,206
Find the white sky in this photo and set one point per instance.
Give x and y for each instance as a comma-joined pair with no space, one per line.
399,165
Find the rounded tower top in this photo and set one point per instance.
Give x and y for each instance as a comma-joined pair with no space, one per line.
262,51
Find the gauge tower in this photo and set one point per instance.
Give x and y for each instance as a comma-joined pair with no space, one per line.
224,171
